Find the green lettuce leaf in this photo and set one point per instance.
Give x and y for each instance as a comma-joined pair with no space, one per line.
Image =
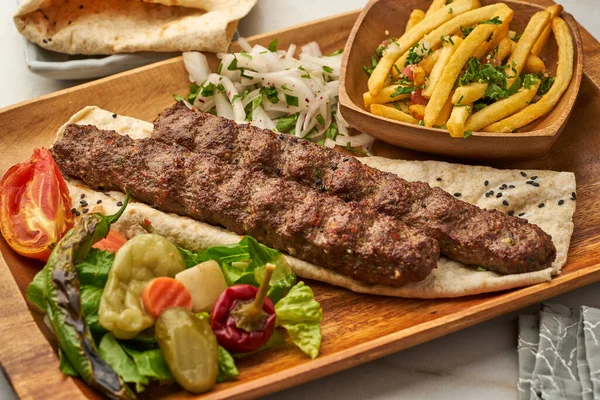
244,262
92,274
65,365
300,314
227,368
111,351
150,363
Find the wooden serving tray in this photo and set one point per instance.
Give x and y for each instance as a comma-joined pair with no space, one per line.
356,328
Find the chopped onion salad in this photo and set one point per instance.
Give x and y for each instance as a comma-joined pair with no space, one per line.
271,89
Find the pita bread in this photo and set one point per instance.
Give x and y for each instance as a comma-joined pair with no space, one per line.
449,279
127,26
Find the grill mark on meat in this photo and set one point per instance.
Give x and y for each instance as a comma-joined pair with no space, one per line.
316,227
466,233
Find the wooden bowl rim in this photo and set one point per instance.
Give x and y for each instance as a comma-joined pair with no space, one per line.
549,131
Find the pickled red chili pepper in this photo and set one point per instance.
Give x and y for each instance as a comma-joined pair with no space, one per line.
243,317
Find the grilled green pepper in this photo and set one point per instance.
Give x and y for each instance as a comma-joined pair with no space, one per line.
63,305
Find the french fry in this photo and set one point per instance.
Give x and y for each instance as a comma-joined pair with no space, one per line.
501,109
392,113
428,62
564,72
402,45
458,60
401,105
442,119
500,33
435,5
387,95
538,47
419,76
469,18
417,111
456,123
504,50
469,93
532,32
534,65
416,16
445,56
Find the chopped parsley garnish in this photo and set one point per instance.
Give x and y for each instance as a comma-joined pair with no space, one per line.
447,39
335,53
327,69
400,90
306,74
221,88
178,97
368,70
238,96
220,68
547,82
273,45
449,2
194,90
480,105
320,119
286,124
284,87
466,31
458,103
291,100
530,80
271,93
355,150
517,37
416,54
486,73
421,122
379,50
450,11
466,134
492,21
332,131
244,54
208,90
233,66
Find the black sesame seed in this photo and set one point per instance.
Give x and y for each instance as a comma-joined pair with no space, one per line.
99,201
457,194
85,210
529,182
533,178
505,202
50,39
44,41
541,205
535,184
83,203
73,210
561,202
281,136
114,115
120,204
503,186
521,214
511,186
573,196
346,197
81,7
82,195
488,194
486,183
523,174
438,179
77,213
345,159
499,195
69,23
511,213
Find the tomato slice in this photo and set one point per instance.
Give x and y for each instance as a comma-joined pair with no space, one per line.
112,242
162,293
35,206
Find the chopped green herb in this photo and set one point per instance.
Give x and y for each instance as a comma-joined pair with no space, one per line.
306,74
448,2
421,122
368,70
244,54
335,53
355,150
332,131
238,96
178,97
466,31
547,82
273,45
466,134
481,269
221,88
374,62
517,37
493,21
208,90
530,80
327,69
400,90
291,100
447,39
397,69
284,87
286,124
320,119
479,106
460,100
416,54
220,68
271,93
233,66
450,11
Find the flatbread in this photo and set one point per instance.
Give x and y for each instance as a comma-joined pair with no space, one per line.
449,279
127,26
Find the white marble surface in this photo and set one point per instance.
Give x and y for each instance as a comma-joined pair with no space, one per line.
475,363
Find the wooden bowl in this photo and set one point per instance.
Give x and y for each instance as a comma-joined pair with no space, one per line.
391,15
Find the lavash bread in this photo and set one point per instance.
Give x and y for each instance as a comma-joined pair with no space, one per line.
449,279
127,26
